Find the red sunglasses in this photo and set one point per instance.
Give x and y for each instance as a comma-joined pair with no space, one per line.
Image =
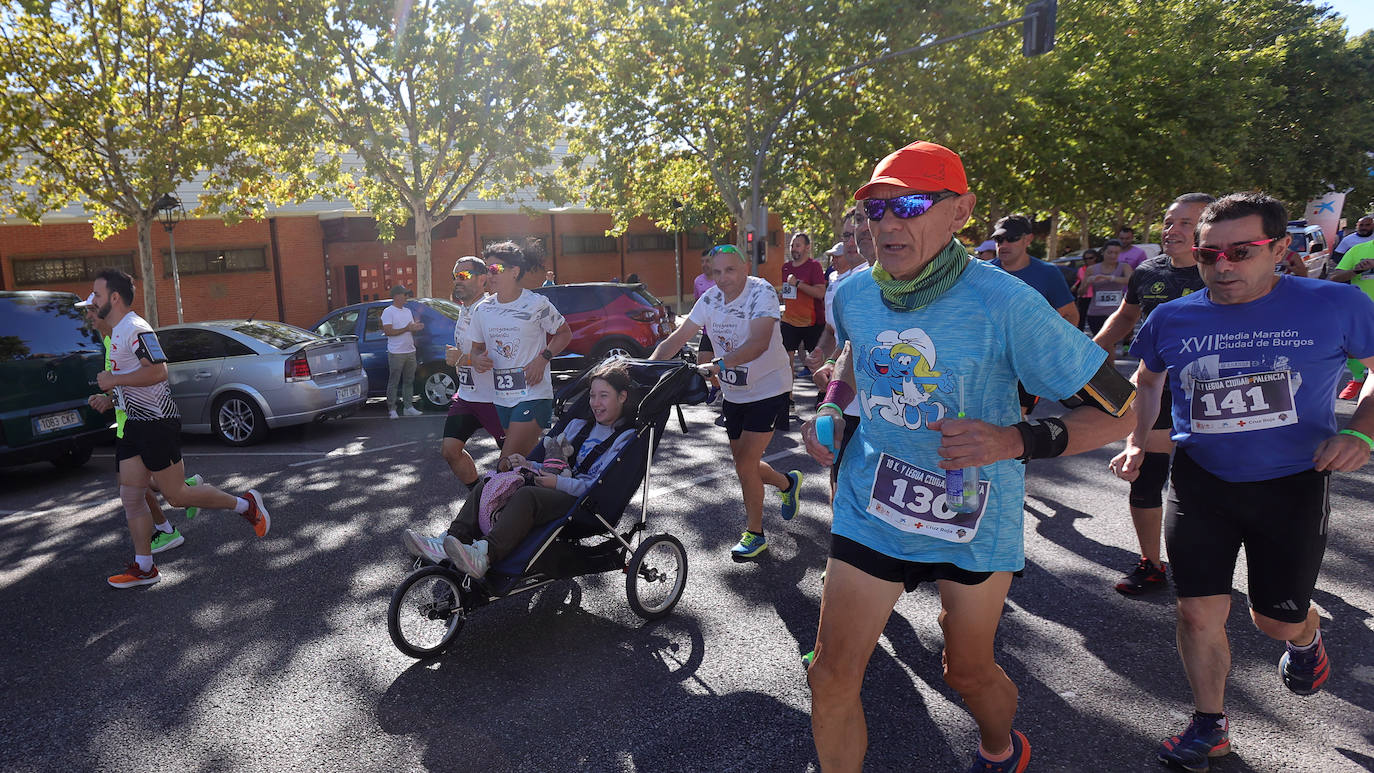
1237,252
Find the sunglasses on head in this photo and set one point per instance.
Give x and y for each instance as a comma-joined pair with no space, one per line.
496,268
906,206
728,249
1208,256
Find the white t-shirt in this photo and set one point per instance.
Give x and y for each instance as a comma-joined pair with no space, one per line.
1350,241
770,374
472,386
515,333
852,409
398,318
144,403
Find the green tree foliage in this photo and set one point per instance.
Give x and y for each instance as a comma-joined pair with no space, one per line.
714,89
442,100
111,104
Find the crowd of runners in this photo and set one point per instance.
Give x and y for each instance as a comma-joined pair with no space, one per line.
929,361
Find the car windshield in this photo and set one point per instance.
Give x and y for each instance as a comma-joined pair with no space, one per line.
447,308
44,326
276,334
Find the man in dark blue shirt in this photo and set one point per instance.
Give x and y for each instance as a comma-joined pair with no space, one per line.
1013,237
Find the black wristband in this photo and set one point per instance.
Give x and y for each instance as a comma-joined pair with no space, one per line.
547,355
1042,438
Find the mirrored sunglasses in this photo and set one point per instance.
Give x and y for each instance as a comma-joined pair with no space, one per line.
906,206
1208,256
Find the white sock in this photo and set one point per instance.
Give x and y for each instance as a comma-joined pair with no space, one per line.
165,527
1310,644
242,506
144,562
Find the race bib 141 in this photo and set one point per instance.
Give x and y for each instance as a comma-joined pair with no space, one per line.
1242,403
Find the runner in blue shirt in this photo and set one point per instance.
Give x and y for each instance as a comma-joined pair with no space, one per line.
1251,363
924,322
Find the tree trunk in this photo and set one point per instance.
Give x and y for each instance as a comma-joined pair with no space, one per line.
424,247
147,272
1052,241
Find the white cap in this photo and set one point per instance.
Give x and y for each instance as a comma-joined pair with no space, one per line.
838,249
90,301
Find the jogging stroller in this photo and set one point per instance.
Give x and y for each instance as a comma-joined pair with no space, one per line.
431,605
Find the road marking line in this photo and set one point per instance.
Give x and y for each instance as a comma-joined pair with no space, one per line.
707,478
359,452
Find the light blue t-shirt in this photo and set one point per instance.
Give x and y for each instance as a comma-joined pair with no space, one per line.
1254,384
989,330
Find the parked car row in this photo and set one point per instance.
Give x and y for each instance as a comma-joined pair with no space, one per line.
239,379
606,318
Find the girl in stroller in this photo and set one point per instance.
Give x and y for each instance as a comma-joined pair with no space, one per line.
548,496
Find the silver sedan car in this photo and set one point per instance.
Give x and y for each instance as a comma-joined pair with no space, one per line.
237,378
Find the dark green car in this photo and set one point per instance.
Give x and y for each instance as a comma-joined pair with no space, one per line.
49,358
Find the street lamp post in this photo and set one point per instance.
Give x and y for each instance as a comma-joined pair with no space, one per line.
677,250
170,212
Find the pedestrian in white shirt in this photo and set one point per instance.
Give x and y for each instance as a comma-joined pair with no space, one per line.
398,323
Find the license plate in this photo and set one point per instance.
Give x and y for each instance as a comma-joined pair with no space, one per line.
344,394
55,421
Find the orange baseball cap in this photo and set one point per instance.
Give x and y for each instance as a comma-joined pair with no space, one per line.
923,166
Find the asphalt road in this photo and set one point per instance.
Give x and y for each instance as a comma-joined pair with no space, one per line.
272,655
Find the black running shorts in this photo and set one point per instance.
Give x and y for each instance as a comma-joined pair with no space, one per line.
1281,523
909,573
807,336
157,442
763,415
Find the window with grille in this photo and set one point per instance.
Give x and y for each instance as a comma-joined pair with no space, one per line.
29,272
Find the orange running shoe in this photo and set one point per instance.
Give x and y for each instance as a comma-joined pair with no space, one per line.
132,577
257,513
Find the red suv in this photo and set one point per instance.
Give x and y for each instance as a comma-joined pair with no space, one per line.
609,318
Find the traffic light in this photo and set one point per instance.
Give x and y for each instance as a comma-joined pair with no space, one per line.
1037,32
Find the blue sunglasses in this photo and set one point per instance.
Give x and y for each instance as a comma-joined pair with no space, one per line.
907,206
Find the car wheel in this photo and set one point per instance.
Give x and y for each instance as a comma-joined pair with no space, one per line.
617,347
238,421
70,460
436,386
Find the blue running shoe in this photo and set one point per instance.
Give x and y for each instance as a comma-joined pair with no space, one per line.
790,500
1305,672
750,546
1016,763
1192,749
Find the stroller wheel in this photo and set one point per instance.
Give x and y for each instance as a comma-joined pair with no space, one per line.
656,576
426,611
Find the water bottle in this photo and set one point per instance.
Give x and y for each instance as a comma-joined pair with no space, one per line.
961,490
961,485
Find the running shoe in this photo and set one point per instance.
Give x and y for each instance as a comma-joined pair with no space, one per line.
809,658
1192,748
429,548
805,372
1305,672
257,513
413,411
720,420
132,577
166,540
1144,578
711,394
1351,391
790,498
194,480
391,414
1016,763
470,558
750,546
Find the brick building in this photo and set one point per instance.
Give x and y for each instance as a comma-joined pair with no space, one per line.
311,258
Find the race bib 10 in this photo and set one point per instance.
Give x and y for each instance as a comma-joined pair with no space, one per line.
912,499
737,376
1242,403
